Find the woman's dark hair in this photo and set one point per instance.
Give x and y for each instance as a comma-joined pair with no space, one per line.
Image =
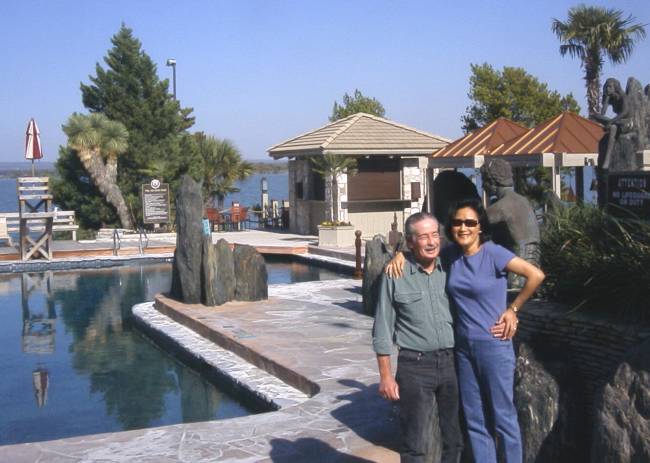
477,205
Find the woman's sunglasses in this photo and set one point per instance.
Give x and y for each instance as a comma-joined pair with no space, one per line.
469,223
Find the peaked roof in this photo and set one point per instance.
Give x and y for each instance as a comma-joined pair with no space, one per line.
565,133
483,140
360,134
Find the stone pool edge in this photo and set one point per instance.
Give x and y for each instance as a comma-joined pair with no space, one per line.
260,386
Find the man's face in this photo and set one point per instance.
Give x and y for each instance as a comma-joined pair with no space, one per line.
424,243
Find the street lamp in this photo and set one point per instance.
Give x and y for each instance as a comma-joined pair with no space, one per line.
172,62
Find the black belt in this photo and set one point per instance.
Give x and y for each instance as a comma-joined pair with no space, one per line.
446,351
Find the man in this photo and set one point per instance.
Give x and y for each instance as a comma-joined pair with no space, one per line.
413,311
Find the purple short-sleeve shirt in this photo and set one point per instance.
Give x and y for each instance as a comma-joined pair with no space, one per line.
478,285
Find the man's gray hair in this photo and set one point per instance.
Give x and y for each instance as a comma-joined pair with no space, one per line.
413,219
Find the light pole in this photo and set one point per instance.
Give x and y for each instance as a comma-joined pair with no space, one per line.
172,62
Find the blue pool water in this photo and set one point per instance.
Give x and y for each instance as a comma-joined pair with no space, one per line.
73,363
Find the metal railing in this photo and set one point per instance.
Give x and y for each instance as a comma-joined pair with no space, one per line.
117,242
143,241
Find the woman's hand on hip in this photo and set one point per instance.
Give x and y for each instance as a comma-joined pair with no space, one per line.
506,326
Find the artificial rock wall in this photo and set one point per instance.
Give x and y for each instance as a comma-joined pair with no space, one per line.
581,388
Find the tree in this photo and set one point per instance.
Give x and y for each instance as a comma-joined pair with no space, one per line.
222,166
513,94
357,104
95,138
129,91
74,190
592,33
331,166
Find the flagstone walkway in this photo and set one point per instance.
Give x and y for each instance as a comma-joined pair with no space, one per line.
312,336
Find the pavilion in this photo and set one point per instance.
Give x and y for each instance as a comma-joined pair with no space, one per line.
566,140
391,177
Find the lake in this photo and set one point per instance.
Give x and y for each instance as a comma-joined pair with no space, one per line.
250,191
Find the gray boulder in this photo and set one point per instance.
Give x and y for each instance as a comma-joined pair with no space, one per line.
546,409
186,273
250,274
225,267
378,253
622,421
209,269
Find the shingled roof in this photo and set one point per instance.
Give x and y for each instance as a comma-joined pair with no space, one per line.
565,133
483,140
361,134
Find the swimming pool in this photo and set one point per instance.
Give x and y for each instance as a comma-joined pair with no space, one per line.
73,362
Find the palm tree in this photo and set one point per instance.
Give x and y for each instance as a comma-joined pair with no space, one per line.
332,166
94,137
222,167
592,33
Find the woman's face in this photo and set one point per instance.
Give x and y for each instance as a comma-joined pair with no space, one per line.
466,229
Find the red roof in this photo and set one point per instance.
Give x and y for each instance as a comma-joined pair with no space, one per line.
482,141
565,133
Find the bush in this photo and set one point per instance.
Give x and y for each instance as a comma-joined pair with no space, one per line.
596,261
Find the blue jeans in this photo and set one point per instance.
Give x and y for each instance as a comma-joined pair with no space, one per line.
486,380
423,376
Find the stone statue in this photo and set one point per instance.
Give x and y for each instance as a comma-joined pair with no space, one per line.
616,126
627,132
513,221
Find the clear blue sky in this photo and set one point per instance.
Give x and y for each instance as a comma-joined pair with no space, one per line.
258,72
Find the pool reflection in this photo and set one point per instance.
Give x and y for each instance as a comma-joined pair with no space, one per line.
73,362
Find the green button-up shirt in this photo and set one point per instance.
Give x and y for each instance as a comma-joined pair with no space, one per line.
413,311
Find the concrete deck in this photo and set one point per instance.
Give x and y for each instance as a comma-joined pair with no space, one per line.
266,242
310,335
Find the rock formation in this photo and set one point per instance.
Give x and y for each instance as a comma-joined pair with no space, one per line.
622,422
378,253
186,269
250,274
544,409
206,273
225,281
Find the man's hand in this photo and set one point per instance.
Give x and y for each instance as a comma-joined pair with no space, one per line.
388,388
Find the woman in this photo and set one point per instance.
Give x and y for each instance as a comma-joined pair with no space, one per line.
484,327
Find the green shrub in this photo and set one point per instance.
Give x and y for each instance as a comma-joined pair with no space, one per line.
598,262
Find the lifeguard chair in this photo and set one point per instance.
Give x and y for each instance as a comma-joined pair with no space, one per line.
35,211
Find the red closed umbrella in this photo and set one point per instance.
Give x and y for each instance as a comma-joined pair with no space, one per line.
33,148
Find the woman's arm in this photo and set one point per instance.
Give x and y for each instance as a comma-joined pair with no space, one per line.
506,326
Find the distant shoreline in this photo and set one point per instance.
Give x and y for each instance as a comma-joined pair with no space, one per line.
11,170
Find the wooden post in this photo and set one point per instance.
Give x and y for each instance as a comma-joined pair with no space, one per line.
358,272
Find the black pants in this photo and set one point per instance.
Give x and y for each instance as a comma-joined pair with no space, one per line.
421,376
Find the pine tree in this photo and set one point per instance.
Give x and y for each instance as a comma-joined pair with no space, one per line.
129,91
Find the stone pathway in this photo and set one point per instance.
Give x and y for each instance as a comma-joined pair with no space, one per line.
312,335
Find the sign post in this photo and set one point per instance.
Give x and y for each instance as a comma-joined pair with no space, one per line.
155,202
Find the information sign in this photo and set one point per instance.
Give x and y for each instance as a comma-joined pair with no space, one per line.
155,202
631,191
